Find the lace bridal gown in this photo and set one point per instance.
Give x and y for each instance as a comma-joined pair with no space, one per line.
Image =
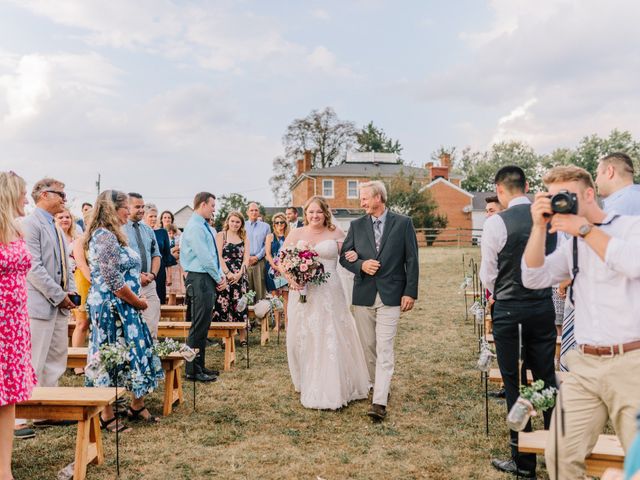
326,360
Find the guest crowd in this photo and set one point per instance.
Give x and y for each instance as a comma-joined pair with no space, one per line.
549,271
110,271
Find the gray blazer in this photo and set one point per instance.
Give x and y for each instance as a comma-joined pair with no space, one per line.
44,292
398,257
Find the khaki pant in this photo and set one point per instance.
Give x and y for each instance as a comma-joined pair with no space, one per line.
256,279
377,326
151,315
596,389
49,348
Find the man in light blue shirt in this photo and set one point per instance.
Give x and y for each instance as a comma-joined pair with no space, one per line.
143,240
614,179
257,232
199,258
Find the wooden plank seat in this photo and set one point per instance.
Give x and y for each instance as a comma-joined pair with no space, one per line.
496,377
73,403
489,338
224,330
171,364
169,313
607,453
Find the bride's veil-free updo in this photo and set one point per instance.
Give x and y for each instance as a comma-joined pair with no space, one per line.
324,206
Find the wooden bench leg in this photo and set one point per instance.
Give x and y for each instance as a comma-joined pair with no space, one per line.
229,352
95,439
177,387
264,335
82,450
169,379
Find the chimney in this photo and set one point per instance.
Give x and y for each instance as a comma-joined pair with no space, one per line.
307,160
445,160
300,167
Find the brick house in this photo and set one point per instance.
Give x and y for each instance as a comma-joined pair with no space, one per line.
339,184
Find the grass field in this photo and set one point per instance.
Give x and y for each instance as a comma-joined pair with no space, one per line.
250,424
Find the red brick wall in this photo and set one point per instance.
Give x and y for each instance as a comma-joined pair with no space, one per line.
304,190
451,202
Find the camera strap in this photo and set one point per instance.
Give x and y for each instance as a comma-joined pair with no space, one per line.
576,269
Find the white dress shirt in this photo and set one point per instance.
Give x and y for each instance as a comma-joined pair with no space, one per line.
494,238
606,293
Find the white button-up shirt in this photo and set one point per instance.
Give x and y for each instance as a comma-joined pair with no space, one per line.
494,238
606,293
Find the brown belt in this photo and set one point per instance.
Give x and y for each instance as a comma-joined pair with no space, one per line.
609,350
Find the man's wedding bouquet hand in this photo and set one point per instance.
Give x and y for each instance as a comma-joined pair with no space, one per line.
301,267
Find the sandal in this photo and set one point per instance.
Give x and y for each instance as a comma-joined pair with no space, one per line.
243,343
112,426
136,415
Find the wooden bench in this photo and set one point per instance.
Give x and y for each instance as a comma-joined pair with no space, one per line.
489,338
73,403
169,313
224,330
171,364
607,453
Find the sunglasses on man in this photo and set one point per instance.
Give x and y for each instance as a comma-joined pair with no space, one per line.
62,195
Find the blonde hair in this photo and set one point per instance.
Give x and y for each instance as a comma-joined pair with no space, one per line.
377,188
324,206
282,217
104,215
569,173
72,228
241,232
12,187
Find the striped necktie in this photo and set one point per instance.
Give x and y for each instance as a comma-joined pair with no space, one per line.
568,341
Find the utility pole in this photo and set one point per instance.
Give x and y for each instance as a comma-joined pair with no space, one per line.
98,184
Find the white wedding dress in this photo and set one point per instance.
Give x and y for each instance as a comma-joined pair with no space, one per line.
326,360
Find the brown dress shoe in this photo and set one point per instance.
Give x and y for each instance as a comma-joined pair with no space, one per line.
377,412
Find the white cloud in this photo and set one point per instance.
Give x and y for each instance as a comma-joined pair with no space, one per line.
324,60
320,14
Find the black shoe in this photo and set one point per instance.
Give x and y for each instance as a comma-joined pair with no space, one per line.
509,466
202,377
211,373
24,433
498,393
377,412
54,423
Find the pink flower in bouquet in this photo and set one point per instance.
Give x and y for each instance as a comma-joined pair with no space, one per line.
304,267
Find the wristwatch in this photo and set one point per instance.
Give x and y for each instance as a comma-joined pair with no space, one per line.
585,229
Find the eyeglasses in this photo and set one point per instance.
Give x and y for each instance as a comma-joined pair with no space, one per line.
62,195
279,222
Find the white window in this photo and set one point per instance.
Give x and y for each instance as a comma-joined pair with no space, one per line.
352,189
327,188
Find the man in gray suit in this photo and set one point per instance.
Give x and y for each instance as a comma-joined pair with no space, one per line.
49,283
382,251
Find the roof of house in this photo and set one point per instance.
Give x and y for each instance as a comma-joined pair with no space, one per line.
449,184
368,169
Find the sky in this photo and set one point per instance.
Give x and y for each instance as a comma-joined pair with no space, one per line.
169,98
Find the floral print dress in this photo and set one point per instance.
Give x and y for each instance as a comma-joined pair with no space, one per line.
17,377
226,301
113,266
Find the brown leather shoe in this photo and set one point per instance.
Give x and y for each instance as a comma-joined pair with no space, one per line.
377,412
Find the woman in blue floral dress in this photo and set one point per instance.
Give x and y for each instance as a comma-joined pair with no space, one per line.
114,312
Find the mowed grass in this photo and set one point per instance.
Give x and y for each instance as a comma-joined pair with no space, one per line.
250,424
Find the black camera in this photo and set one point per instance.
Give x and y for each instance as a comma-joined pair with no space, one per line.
564,202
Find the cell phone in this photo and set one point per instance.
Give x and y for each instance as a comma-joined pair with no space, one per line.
75,299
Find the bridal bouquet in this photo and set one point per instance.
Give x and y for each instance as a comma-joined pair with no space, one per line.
301,263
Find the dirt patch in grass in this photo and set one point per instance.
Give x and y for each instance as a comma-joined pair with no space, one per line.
250,423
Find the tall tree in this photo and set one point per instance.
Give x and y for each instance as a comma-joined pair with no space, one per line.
323,134
373,139
407,196
227,204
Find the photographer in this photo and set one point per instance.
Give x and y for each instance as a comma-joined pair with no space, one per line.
603,383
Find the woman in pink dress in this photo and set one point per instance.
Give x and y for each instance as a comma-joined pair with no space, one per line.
17,377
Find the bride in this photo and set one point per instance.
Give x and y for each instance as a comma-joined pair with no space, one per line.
326,360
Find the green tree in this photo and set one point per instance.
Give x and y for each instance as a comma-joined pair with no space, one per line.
373,139
323,134
227,204
407,196
479,168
